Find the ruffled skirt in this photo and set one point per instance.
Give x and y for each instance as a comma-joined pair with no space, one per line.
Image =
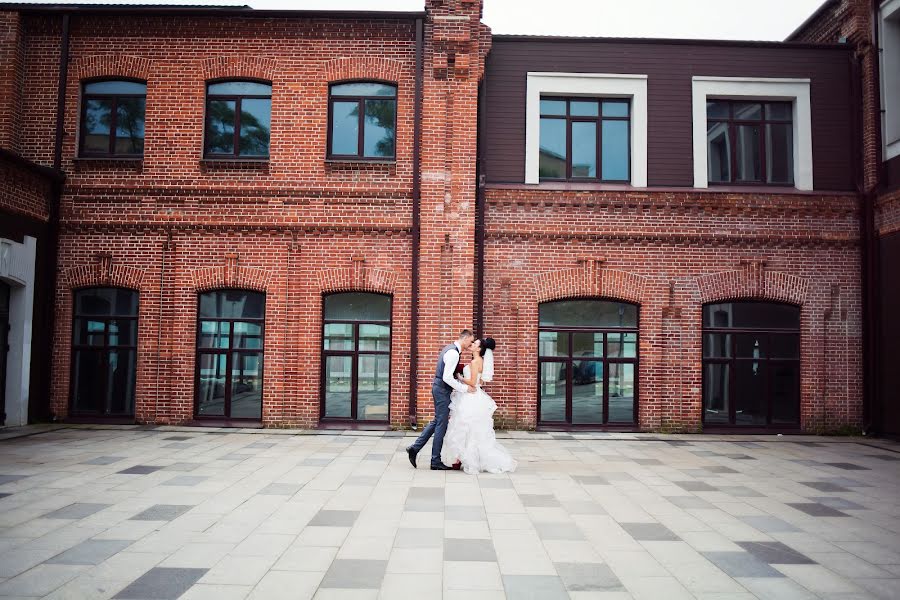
470,437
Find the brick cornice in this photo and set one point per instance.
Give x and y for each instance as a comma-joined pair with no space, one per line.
111,65
253,67
589,279
345,68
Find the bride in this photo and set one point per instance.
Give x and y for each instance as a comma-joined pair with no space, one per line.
470,437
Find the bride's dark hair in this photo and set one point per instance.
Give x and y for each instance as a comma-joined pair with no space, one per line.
486,344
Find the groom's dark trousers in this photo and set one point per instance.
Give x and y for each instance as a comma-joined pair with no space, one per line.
440,391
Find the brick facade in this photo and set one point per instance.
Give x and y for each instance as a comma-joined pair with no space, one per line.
299,226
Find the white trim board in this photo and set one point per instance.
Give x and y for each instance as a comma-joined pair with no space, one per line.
761,88
595,85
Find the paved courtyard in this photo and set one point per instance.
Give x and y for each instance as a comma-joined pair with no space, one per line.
194,513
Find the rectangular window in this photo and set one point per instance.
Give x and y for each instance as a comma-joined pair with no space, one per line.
585,139
362,121
238,119
112,119
750,142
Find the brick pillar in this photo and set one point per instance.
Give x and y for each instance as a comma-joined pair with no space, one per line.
11,63
456,43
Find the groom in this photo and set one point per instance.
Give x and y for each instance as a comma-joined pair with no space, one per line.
444,382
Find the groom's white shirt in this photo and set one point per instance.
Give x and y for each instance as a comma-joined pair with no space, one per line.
451,359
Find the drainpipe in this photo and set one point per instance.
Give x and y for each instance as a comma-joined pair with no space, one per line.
480,208
416,222
53,207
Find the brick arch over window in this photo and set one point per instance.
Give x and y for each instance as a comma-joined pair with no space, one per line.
357,279
230,275
381,69
590,280
102,274
107,65
753,283
230,67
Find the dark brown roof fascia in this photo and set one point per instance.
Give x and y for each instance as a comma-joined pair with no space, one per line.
19,161
206,11
667,41
816,14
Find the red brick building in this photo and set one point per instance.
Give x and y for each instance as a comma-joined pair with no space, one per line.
278,218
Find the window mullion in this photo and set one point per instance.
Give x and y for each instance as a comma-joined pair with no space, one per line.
113,123
237,126
360,143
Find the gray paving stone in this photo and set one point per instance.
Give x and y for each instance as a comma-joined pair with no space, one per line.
161,583
558,531
91,552
848,466
79,510
678,443
650,532
140,470
740,491
4,495
720,469
741,564
589,577
236,457
162,512
695,486
354,574
177,446
590,479
544,500
534,587
103,460
648,461
316,462
464,513
689,502
415,537
738,456
10,478
179,438
185,480
768,524
469,550
423,499
182,466
838,503
379,457
817,510
775,553
825,486
847,482
261,445
334,518
583,507
280,489
885,457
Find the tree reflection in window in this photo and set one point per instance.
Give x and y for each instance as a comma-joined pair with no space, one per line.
362,120
238,119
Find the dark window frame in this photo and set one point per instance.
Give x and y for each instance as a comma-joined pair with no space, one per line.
229,356
105,349
361,100
598,120
733,123
355,353
114,116
236,98
605,360
732,360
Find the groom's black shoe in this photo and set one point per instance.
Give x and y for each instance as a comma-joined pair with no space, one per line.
411,453
441,467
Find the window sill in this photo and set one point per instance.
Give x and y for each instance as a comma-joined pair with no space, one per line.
570,186
360,161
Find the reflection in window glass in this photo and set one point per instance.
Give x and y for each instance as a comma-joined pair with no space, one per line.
552,161
584,149
615,151
112,118
241,109
750,142
379,135
363,120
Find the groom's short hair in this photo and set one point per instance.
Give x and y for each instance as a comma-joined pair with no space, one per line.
466,333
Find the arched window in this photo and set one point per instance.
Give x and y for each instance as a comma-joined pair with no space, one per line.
362,121
230,354
238,119
112,118
587,361
356,359
751,364
104,352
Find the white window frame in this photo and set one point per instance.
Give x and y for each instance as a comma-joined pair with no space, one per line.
592,85
795,91
889,40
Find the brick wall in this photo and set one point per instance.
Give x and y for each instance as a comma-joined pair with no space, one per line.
670,253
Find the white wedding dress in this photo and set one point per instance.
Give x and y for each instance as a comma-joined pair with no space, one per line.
470,435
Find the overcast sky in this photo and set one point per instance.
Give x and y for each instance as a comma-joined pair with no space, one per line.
713,19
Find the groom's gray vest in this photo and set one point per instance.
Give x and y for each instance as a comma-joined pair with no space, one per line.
439,371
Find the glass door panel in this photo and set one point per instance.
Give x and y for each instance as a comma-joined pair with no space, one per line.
621,393
373,377
211,385
717,393
338,386
553,391
587,391
750,406
246,384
